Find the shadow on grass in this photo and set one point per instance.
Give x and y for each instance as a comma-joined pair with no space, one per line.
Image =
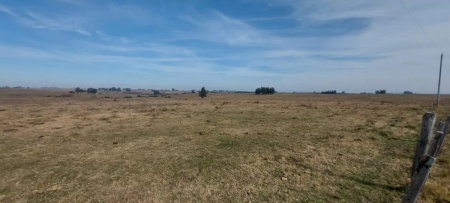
362,181
373,184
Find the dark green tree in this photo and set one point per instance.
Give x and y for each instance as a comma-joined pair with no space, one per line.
329,92
271,90
265,90
92,90
202,93
258,91
79,90
380,92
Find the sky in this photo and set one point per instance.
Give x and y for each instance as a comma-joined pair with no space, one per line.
292,45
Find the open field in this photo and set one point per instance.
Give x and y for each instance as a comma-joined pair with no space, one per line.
224,148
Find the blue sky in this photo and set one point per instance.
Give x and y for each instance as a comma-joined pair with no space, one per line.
304,45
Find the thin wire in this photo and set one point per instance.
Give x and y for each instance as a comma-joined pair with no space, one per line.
418,24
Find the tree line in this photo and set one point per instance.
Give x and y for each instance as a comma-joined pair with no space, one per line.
380,92
329,92
114,89
89,90
203,92
265,90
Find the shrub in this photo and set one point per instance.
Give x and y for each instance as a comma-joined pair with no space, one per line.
79,90
202,93
91,90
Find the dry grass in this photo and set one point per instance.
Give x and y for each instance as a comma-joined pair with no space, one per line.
224,148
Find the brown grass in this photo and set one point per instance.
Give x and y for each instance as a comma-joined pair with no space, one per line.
224,148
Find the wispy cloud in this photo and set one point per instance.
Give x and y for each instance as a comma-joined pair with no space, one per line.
6,10
220,28
130,12
27,53
39,21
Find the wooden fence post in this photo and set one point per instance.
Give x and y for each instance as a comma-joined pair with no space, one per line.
427,149
436,141
445,131
426,133
418,181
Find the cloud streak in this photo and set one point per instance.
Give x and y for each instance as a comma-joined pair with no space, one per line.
39,21
6,10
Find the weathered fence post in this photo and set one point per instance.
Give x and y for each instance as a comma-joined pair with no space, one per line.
418,181
436,141
445,131
427,149
425,136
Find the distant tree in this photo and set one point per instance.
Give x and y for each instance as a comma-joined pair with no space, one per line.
202,93
271,90
192,91
407,92
329,92
79,90
156,92
114,89
91,90
343,92
127,89
265,90
258,91
380,92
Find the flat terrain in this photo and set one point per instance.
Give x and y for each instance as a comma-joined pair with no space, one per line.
224,148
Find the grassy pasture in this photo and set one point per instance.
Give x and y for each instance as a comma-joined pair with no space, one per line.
224,148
